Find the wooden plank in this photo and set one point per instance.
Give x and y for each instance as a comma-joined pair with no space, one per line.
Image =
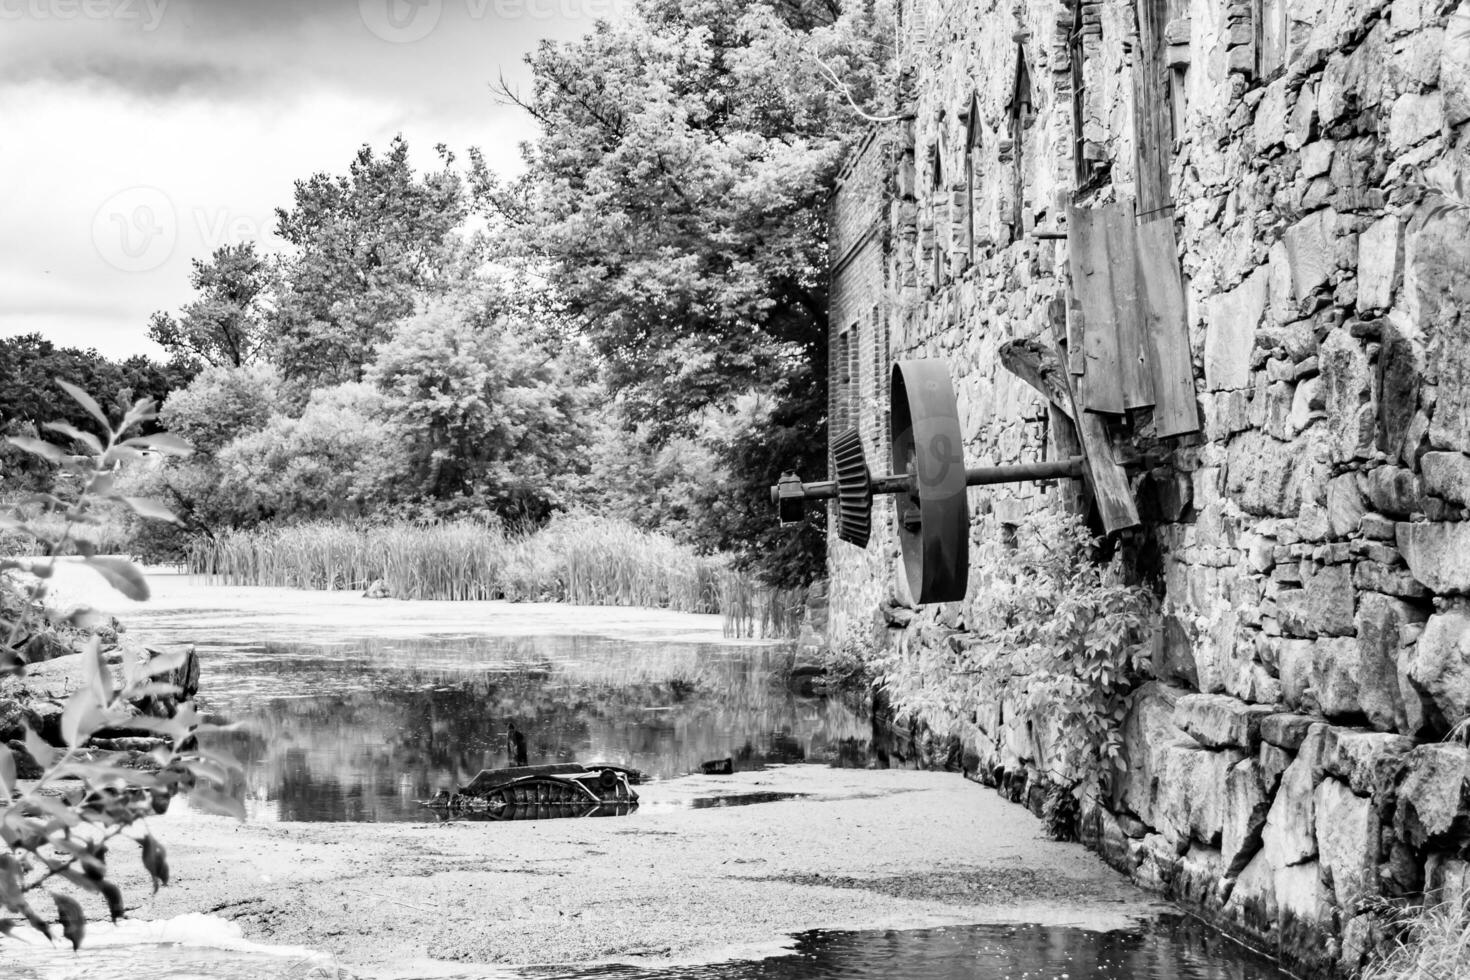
1100,388
1065,444
1166,329
1153,126
1038,365
1105,476
1134,360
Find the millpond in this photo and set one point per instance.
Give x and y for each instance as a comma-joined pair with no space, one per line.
359,712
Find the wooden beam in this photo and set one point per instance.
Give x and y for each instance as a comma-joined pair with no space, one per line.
1166,329
1038,365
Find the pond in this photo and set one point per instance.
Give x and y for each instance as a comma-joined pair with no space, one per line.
357,712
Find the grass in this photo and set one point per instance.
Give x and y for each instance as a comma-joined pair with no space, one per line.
580,560
1435,946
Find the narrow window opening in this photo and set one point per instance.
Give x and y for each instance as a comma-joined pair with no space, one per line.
1078,56
1019,112
941,211
972,161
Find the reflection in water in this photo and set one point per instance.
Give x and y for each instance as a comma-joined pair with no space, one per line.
362,731
1171,948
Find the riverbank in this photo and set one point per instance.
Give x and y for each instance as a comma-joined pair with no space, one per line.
677,881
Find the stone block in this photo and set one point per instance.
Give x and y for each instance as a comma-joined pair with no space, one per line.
1345,508
1434,797
1416,117
1454,66
1309,251
1347,831
1286,730
1265,476
1230,333
1378,527
1380,263
1147,732
1376,576
1218,721
1438,665
1246,806
1438,555
1290,835
1273,762
1401,427
1252,903
1322,607
1347,380
1380,620
1369,762
1395,490
1334,676
1447,476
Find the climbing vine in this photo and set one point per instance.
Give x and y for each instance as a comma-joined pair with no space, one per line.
1052,636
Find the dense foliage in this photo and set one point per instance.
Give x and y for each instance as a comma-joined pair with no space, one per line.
1050,631
677,200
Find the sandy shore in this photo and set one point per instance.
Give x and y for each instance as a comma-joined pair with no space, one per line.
670,883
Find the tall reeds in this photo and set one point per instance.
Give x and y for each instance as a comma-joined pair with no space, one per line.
580,560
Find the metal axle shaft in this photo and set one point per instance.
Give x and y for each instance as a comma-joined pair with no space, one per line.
975,476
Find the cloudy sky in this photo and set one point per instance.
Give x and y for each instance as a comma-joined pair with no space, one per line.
140,134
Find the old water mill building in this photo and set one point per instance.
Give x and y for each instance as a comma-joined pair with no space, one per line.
1231,238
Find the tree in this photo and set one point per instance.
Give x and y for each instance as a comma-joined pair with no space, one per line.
226,325
369,245
489,419
677,199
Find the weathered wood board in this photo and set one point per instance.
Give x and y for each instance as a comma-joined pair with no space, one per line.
1166,329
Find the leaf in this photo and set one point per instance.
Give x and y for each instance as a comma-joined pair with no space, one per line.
155,862
167,663
152,509
12,893
73,920
48,452
7,771
39,750
86,401
162,442
81,717
211,800
114,897
72,432
123,576
95,671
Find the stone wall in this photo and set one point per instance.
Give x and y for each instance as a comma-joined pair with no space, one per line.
1289,767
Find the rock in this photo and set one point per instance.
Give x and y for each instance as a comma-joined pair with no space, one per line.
1379,621
718,767
1323,607
1252,903
1193,793
1287,731
1377,527
1273,762
1218,721
1305,906
1434,797
1347,395
12,717
1309,251
1438,554
1345,508
1230,333
1265,476
1438,667
1395,490
26,767
377,589
1375,576
1447,476
1369,762
1454,66
1147,732
1335,678
1347,840
1415,118
45,646
1246,806
1290,835
1380,263
1400,373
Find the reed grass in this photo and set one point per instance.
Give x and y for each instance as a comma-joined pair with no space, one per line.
1435,945
582,560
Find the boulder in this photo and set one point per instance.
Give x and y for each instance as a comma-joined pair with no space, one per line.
1347,380
1447,476
1218,721
1147,731
1345,508
1347,839
1438,554
1368,762
1193,793
1287,731
1438,667
1290,835
1324,604
1380,263
1380,621
1246,806
1434,795
1395,490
